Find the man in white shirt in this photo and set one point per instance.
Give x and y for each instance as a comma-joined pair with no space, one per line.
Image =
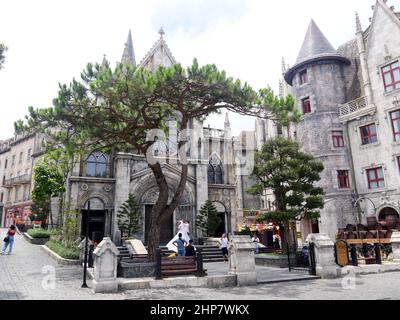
256,242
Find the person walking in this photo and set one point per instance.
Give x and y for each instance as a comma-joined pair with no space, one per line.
9,240
180,244
256,242
224,246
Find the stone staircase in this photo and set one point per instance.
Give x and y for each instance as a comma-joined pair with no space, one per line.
123,253
212,254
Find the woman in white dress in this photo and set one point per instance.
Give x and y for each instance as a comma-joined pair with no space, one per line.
182,228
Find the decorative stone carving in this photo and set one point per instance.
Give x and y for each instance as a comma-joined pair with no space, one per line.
84,187
107,188
105,267
242,260
95,204
395,241
326,266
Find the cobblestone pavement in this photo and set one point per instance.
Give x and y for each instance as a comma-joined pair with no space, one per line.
28,274
368,287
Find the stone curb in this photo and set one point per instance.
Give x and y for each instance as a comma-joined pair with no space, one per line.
35,241
370,269
288,280
57,258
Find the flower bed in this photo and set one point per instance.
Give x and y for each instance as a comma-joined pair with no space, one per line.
62,251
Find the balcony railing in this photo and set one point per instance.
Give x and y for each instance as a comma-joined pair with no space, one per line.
26,178
355,109
214,133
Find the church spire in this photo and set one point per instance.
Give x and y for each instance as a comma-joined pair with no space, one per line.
283,66
358,24
227,124
128,57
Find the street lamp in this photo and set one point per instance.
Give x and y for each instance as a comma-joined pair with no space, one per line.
84,285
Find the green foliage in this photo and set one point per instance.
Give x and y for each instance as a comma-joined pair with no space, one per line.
208,219
3,49
292,175
129,217
48,182
71,252
39,233
245,232
69,229
128,101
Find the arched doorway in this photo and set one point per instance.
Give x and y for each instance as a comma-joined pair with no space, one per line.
388,216
222,228
95,220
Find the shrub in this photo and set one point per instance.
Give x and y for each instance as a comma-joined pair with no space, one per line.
245,232
39,233
64,252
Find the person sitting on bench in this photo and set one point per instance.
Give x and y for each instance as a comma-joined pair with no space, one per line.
190,249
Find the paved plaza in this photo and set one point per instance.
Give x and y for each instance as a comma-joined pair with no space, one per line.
30,274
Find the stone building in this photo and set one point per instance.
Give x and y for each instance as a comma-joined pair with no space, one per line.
16,163
349,99
107,180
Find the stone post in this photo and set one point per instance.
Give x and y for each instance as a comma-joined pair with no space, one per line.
105,267
242,260
122,184
326,266
395,241
81,247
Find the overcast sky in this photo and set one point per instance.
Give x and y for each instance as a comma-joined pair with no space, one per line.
51,41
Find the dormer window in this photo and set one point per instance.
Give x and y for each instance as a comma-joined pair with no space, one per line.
303,77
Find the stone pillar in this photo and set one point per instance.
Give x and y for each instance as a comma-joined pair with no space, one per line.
326,266
105,267
55,210
201,188
122,184
242,260
395,241
81,247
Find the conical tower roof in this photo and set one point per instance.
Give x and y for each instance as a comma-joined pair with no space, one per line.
128,57
316,47
315,44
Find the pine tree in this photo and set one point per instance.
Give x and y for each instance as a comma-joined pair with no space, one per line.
208,219
129,217
292,175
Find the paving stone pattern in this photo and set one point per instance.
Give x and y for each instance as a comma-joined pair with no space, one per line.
21,277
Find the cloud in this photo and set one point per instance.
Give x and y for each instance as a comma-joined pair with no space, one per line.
196,16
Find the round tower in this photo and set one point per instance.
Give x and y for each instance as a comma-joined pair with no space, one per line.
319,86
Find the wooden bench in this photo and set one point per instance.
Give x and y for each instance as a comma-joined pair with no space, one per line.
178,266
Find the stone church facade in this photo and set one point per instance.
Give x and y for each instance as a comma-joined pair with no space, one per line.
349,100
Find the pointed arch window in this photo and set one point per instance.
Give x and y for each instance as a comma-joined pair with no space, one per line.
96,165
215,173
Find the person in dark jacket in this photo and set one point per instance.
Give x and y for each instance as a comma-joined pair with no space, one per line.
190,250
